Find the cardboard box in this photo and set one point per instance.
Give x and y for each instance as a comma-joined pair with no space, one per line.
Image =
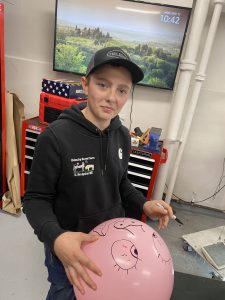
11,201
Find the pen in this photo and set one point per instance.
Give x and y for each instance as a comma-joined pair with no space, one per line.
173,216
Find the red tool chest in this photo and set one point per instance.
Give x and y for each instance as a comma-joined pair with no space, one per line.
30,131
51,106
143,168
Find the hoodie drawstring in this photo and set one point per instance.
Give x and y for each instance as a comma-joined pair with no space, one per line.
102,161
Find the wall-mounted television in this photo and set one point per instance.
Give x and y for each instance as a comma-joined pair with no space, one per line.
152,34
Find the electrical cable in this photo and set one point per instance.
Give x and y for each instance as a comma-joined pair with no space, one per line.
131,108
218,188
193,202
212,196
221,178
178,198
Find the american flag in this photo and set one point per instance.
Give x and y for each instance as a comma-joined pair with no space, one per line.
63,88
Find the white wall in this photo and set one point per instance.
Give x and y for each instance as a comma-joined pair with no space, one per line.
29,28
202,163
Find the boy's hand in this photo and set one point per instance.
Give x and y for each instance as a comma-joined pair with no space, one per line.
67,247
158,209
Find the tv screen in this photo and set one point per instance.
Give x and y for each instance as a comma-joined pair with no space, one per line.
152,34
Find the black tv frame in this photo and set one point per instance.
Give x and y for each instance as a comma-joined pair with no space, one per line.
189,9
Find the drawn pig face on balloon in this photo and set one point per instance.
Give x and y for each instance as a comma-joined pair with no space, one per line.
125,254
124,251
135,263
159,247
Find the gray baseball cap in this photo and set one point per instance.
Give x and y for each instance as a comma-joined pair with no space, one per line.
115,56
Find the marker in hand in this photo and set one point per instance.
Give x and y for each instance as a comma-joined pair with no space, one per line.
173,216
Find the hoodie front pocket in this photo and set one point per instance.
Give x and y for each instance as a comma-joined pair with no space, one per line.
86,224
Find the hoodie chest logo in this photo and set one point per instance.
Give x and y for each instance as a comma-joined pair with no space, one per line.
120,153
83,166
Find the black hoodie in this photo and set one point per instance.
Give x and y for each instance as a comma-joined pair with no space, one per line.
78,177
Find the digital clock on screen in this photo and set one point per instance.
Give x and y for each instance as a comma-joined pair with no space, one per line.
168,18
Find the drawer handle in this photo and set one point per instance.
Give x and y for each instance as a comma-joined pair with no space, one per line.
165,156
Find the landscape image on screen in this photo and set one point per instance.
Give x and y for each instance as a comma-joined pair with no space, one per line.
152,35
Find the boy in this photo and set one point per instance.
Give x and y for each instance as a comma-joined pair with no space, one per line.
79,174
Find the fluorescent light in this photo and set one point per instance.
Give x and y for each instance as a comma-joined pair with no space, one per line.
138,10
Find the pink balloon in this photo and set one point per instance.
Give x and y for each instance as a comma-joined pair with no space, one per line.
135,262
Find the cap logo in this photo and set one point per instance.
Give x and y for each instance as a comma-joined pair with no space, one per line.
117,54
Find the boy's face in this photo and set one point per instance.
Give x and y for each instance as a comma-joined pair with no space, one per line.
108,89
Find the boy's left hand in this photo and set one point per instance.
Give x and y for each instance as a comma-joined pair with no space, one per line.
158,209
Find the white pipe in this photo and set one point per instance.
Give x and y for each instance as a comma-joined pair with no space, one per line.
200,77
187,67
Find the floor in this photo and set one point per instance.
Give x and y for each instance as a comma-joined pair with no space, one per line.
23,276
